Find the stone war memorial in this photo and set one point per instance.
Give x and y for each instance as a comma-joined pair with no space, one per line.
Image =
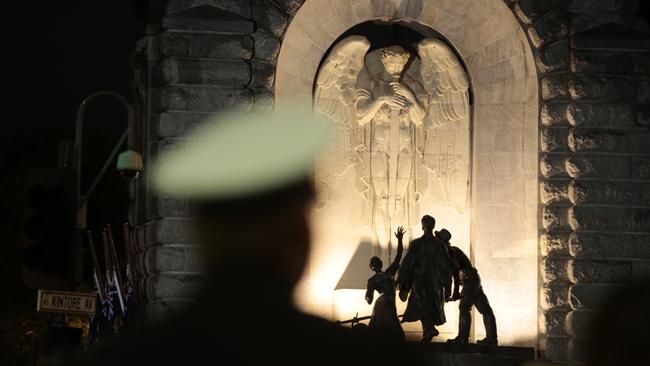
521,126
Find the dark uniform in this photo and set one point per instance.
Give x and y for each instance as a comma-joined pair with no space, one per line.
426,274
471,295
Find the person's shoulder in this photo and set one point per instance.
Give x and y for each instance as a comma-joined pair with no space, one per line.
417,241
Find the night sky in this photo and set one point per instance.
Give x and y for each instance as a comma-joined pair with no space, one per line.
54,55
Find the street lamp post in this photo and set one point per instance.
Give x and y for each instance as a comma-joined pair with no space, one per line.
129,162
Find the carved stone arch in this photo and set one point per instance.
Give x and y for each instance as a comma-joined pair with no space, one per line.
500,62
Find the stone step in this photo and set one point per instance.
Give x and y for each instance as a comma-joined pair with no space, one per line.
445,354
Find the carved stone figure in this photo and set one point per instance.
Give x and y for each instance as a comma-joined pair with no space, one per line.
403,116
472,294
384,314
425,279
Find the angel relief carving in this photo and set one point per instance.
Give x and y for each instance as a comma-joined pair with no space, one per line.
406,122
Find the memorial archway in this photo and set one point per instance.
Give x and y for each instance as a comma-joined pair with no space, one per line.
501,223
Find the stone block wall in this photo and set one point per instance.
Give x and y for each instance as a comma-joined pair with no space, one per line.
204,56
595,146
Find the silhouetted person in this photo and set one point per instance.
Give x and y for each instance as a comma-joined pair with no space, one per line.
620,330
426,275
384,318
249,182
472,294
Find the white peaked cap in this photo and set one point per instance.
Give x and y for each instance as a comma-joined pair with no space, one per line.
235,156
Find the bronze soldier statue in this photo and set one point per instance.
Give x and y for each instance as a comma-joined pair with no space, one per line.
425,274
472,294
384,315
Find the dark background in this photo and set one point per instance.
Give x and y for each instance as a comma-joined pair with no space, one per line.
56,54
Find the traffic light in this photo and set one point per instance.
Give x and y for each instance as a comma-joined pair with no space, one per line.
49,228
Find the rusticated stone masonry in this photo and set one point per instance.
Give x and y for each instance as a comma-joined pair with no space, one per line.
594,161
202,57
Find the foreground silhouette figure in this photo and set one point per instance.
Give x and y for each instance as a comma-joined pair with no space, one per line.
252,221
472,294
384,318
425,275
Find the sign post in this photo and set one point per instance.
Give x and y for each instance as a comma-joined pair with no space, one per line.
72,303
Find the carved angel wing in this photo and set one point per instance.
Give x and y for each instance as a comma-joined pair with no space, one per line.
445,147
335,95
337,79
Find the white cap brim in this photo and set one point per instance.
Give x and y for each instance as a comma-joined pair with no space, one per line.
241,155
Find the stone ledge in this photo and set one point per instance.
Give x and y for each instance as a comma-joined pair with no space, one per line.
554,57
269,17
207,17
166,231
555,87
612,193
237,7
212,46
529,10
195,71
438,353
603,62
601,271
609,141
556,348
611,36
551,26
555,244
555,114
290,6
578,322
554,269
609,167
591,296
168,206
611,246
554,295
555,218
602,115
165,286
553,165
173,258
611,88
266,47
610,6
201,99
553,323
556,191
554,139
609,218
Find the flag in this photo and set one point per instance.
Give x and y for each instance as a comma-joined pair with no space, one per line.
96,319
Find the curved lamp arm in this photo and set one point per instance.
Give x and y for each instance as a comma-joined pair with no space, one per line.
128,133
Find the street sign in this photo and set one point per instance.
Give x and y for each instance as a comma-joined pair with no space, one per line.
65,302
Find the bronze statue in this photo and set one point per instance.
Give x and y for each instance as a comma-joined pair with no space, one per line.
425,273
472,294
384,315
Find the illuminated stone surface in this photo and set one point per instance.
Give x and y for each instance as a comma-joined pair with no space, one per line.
585,145
553,323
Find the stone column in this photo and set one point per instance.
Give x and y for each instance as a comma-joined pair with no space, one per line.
201,58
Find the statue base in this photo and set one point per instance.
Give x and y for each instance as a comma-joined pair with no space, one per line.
473,354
